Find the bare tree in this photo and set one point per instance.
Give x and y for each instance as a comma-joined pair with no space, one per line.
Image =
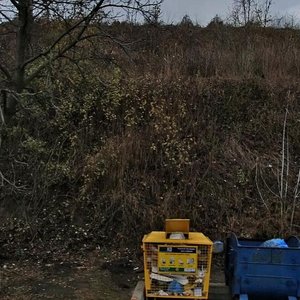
262,12
243,12
247,12
154,17
18,17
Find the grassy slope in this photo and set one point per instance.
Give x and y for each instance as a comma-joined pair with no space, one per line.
190,125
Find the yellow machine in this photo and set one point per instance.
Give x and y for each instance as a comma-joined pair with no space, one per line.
177,262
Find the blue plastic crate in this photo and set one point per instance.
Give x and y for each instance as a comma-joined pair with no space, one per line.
253,270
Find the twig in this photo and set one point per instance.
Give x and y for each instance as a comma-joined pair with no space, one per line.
2,115
296,194
283,155
258,188
12,184
267,186
287,167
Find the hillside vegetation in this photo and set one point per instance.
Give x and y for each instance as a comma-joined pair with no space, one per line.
179,121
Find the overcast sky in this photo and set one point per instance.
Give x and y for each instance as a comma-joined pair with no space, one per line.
203,11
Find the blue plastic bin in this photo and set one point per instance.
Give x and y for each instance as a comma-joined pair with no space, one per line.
253,270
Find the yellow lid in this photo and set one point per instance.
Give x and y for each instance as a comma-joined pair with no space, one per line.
177,225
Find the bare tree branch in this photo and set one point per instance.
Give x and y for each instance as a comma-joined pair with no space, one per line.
3,180
15,3
5,16
85,20
5,72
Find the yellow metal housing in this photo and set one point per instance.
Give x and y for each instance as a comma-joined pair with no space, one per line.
177,262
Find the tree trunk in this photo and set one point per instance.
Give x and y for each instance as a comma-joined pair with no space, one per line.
25,19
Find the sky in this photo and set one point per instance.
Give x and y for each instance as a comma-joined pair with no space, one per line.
202,11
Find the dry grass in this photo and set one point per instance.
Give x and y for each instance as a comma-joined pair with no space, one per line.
177,131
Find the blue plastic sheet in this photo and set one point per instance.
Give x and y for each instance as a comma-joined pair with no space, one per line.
275,243
175,287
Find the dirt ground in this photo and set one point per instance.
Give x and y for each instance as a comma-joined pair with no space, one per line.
92,277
